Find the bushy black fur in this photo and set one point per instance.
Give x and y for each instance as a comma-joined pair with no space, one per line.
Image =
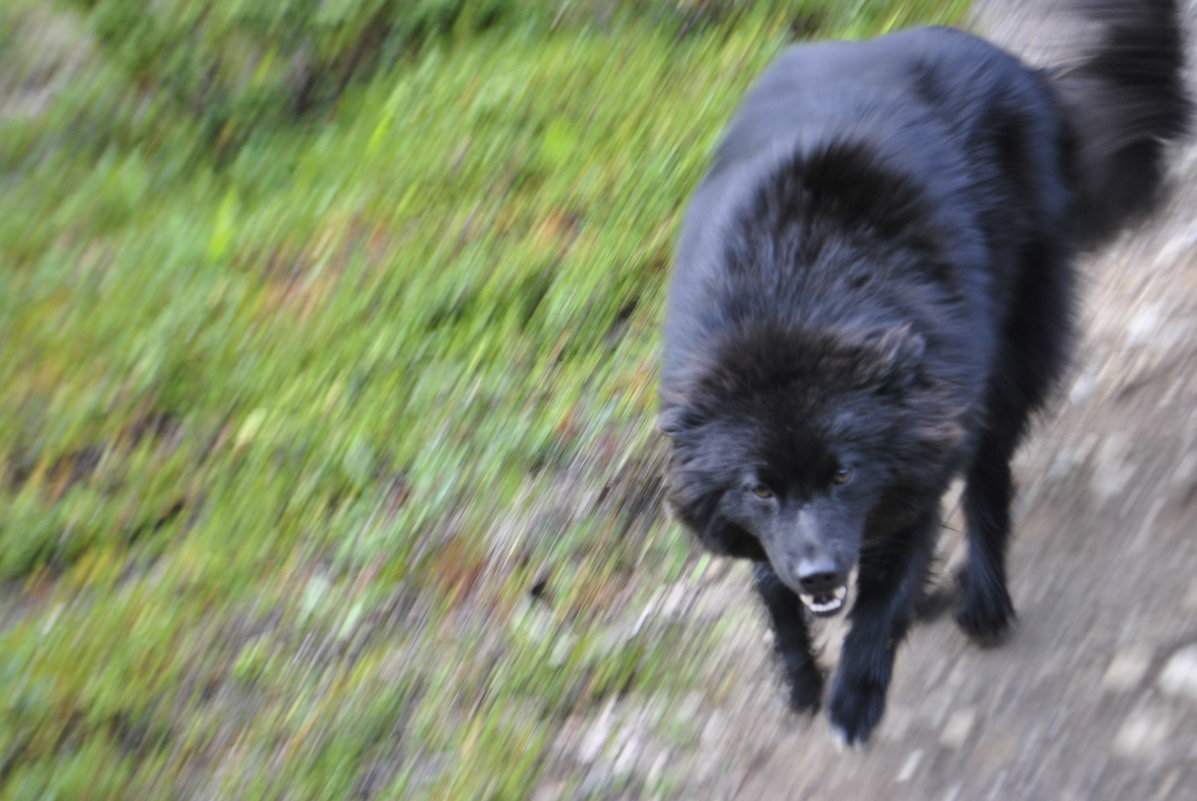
872,294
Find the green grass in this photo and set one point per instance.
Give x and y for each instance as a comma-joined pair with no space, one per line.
298,404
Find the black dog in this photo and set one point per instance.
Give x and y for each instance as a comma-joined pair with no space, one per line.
873,292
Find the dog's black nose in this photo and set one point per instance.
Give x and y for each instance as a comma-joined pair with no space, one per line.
818,575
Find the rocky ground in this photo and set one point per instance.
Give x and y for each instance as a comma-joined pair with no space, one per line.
1094,696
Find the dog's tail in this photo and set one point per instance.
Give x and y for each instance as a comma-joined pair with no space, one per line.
1124,100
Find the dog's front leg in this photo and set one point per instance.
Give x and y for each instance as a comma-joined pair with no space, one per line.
792,640
889,580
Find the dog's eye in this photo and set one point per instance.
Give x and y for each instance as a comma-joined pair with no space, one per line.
843,475
761,491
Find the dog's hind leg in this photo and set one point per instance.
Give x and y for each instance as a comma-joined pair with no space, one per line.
890,578
792,640
987,610
1033,357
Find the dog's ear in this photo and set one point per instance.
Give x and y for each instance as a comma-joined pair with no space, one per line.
691,501
669,422
675,419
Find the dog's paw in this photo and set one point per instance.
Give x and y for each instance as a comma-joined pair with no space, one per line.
987,613
804,683
855,707
806,694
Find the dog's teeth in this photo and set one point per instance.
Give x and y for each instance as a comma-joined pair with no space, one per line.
823,603
841,593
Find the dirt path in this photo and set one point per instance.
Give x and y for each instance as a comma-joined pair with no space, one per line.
1095,694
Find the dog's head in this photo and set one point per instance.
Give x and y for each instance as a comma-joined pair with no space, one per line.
792,447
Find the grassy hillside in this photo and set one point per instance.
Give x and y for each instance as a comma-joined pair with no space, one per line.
327,383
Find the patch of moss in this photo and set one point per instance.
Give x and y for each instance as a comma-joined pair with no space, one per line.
327,465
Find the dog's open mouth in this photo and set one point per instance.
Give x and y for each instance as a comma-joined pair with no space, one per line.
825,604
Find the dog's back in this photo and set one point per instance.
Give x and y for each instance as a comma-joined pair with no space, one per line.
935,129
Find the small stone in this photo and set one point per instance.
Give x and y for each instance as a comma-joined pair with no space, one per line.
959,726
715,730
1143,731
626,761
910,766
1082,388
658,769
550,792
1168,786
1179,676
1144,324
996,749
671,605
1127,669
1112,470
598,735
